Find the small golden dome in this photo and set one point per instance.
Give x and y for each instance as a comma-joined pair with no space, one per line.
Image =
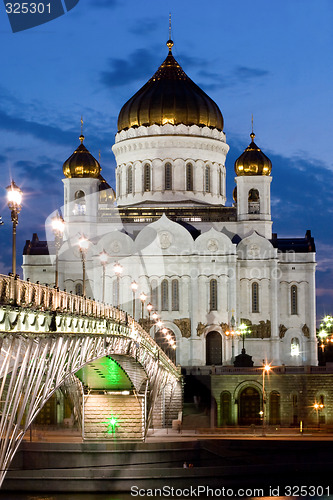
81,163
253,161
170,96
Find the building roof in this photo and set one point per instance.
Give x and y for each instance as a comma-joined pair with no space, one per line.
297,245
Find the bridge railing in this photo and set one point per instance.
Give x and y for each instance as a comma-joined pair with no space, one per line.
16,292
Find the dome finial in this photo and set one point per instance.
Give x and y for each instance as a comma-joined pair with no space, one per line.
252,135
170,42
81,136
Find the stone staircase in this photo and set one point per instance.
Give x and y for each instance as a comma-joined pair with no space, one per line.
112,416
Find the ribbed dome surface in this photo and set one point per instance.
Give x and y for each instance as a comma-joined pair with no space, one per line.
170,96
81,163
253,161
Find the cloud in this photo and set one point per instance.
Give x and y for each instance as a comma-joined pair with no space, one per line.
140,65
18,125
238,76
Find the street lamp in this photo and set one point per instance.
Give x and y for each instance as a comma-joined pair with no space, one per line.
14,198
149,309
84,245
118,269
58,227
265,369
232,333
318,407
103,257
134,287
143,298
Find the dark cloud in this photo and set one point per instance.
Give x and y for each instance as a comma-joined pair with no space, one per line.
140,65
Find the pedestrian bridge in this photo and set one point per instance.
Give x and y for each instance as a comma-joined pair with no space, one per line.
47,336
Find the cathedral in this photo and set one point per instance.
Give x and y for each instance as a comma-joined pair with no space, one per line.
227,290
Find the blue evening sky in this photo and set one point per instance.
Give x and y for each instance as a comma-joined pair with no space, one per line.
272,59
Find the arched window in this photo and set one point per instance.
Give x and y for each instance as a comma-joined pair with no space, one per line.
189,177
154,294
129,180
255,297
78,289
80,203
146,177
207,179
254,202
213,295
294,347
213,348
165,295
175,295
168,176
293,299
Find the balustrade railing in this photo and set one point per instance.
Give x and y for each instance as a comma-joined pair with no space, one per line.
18,293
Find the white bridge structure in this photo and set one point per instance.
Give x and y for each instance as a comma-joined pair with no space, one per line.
47,335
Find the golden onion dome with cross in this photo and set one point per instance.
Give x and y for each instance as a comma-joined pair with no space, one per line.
253,161
81,163
170,96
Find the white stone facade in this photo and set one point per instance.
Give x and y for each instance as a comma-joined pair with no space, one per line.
200,273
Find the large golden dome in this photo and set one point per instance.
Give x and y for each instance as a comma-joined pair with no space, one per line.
253,161
170,96
81,163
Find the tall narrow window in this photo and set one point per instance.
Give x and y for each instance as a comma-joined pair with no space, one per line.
165,295
255,297
175,295
80,203
293,299
146,178
78,289
220,182
168,176
207,179
189,177
154,294
129,180
213,295
294,347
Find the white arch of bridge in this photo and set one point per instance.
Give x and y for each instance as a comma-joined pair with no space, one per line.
42,344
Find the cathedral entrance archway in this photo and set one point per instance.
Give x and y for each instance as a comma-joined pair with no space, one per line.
249,407
167,341
213,348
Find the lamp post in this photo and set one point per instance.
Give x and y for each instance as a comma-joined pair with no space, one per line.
134,287
265,369
58,227
118,269
143,298
232,333
14,198
84,245
103,257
